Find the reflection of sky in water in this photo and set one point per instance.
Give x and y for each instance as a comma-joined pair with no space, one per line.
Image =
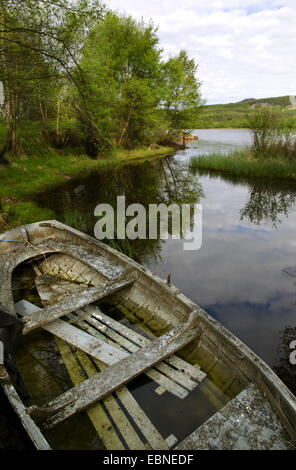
237,275
216,140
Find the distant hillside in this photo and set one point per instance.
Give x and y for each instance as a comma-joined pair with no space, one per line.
236,114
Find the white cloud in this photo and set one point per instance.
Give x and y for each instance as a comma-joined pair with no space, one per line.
244,48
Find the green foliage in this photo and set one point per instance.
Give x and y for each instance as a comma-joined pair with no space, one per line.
123,246
264,124
21,213
137,113
40,42
82,222
273,133
181,98
121,60
135,98
93,81
275,101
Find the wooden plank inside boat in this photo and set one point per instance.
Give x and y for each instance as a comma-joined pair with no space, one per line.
79,368
246,423
165,382
94,343
95,388
175,375
188,370
132,408
79,299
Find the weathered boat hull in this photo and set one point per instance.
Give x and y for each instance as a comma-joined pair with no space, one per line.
247,380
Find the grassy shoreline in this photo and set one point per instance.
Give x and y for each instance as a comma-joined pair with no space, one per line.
24,178
242,163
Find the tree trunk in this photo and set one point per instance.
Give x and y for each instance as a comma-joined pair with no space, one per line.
11,144
126,124
6,103
10,97
58,112
43,113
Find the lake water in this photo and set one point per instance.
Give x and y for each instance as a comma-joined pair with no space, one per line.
217,140
242,273
239,274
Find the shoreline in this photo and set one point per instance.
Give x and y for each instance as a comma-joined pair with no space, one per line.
242,164
26,177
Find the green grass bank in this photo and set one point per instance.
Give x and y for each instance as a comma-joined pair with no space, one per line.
29,175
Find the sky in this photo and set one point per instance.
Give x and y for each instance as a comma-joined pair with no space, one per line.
243,48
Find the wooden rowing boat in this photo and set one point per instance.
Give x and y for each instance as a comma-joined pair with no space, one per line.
111,352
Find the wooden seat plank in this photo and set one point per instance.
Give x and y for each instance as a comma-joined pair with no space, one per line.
72,302
164,368
140,340
97,387
94,344
166,382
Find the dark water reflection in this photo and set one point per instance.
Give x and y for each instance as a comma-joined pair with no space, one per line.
267,202
160,181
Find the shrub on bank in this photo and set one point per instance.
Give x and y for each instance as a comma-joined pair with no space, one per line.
273,134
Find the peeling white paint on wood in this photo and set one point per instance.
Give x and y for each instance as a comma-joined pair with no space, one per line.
79,299
94,389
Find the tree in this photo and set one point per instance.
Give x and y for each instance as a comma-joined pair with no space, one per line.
264,123
89,78
273,133
181,98
137,113
121,61
39,39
